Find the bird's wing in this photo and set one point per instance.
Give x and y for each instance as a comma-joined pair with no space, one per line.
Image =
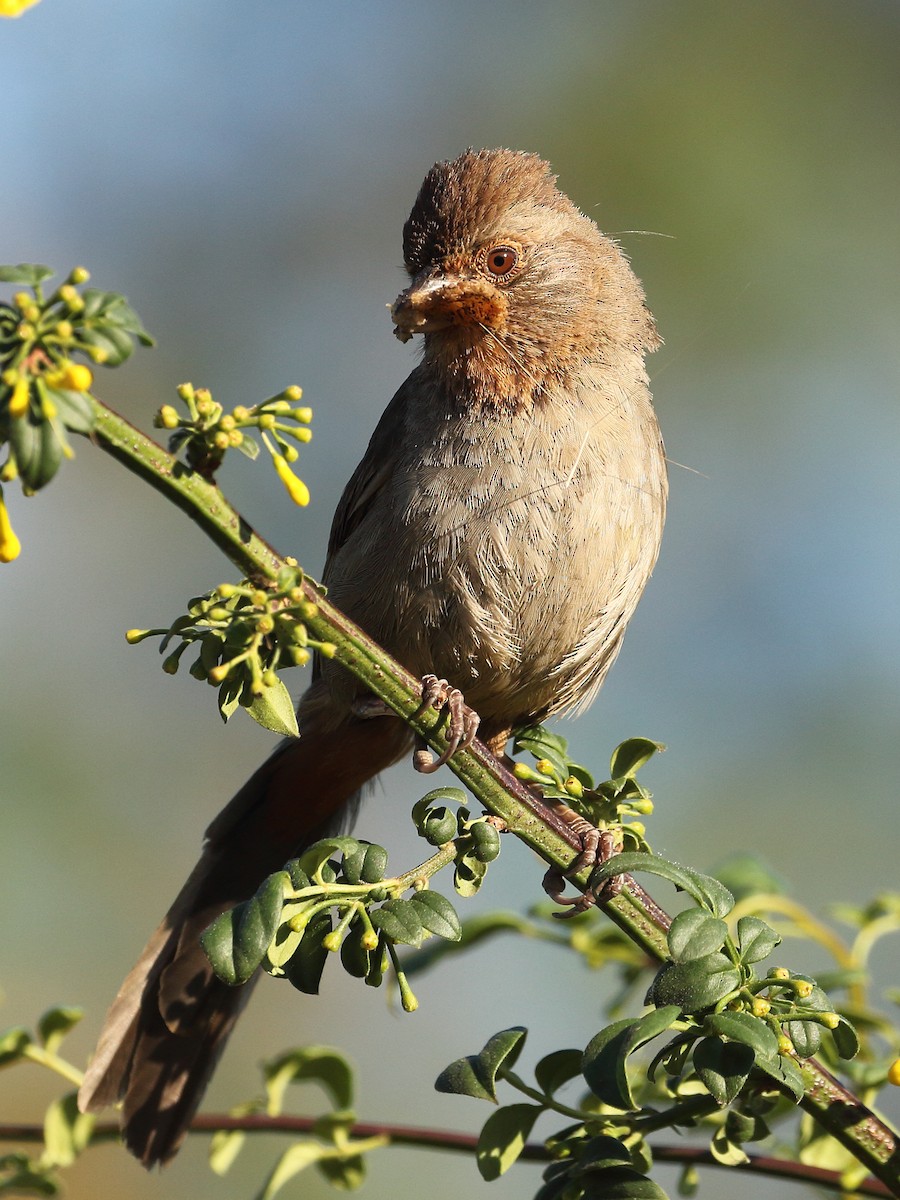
369,477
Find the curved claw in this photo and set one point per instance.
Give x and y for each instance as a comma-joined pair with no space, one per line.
596,848
462,722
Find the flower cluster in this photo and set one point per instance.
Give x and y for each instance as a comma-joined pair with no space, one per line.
208,432
619,801
44,392
245,633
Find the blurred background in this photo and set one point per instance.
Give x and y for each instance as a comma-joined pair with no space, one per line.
242,173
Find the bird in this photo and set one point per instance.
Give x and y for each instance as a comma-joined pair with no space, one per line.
498,534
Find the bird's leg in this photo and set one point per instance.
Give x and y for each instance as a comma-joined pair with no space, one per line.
597,847
436,693
462,722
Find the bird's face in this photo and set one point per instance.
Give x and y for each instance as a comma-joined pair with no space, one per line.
510,282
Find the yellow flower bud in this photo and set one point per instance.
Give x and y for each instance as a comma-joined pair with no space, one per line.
332,941
369,940
78,377
64,330
221,441
637,827
293,392
226,422
303,414
803,988
185,391
133,636
168,417
98,354
830,1020
225,590
235,437
299,655
18,404
785,1045
296,488
15,8
266,623
302,435
893,1075
760,1006
544,765
79,275
291,453
21,299
260,598
241,413
266,421
10,546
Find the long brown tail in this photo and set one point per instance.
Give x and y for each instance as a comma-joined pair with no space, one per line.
169,1023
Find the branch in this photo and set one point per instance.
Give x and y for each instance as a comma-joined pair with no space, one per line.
465,1143
537,824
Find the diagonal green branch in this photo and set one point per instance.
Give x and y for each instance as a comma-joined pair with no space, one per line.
536,823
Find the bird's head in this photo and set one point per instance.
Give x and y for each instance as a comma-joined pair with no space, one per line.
510,283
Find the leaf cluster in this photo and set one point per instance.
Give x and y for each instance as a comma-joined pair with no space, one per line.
245,633
43,392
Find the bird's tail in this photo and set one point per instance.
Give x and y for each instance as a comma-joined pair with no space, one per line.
169,1023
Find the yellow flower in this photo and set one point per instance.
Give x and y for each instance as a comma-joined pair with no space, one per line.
14,8
18,404
10,546
296,488
893,1075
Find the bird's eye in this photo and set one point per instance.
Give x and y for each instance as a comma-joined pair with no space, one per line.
501,261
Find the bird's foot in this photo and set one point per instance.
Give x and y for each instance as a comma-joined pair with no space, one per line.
462,723
597,848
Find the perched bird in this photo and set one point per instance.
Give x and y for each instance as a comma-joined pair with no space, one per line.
498,532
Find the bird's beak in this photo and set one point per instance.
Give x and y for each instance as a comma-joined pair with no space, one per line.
433,302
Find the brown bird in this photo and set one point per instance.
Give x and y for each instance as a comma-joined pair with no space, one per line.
498,532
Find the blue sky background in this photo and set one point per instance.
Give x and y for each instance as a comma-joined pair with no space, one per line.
242,173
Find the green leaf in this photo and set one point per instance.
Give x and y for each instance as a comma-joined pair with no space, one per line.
225,1146
401,922
66,1132
29,273
274,709
20,1176
305,966
605,1056
726,1152
55,1024
13,1044
503,1138
437,914
696,984
708,892
485,841
620,1183
230,691
557,1069
694,933
295,1159
723,1067
468,875
236,942
113,342
846,1041
309,1064
346,1174
630,756
756,939
75,409
476,1074
806,1036
785,1072
743,1027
